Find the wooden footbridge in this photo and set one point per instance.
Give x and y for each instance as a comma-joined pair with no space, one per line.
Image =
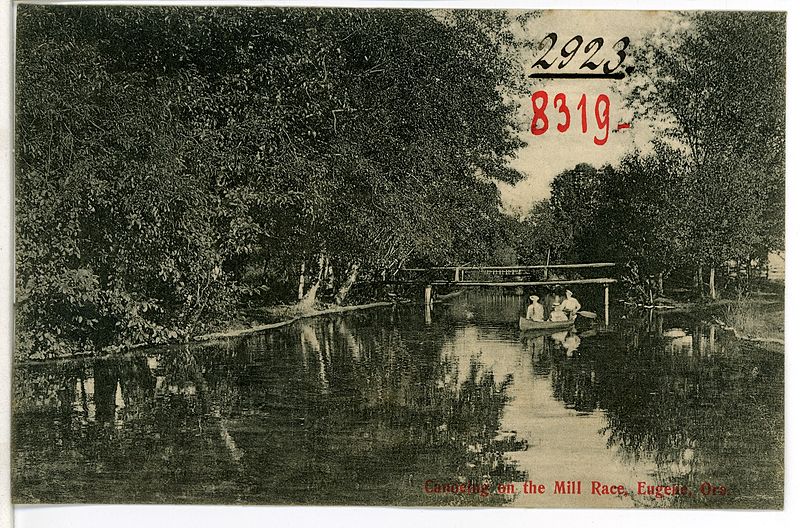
510,276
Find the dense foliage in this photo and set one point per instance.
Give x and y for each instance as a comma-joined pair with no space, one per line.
173,163
711,188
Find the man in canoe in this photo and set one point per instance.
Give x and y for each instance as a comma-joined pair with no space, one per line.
570,306
535,310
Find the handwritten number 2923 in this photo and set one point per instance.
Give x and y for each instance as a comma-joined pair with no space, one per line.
573,45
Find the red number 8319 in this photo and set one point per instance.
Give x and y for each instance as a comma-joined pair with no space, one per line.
540,122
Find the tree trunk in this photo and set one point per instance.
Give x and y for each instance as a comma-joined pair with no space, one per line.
547,264
712,290
310,297
700,283
345,289
661,284
301,286
329,276
749,270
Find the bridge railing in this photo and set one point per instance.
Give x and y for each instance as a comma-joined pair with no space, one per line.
489,274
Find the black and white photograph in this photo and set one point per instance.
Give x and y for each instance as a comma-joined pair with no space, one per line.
407,257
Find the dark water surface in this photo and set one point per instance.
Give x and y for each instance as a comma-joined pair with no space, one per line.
365,408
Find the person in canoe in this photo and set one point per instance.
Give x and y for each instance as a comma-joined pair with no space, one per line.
558,315
570,305
535,309
566,309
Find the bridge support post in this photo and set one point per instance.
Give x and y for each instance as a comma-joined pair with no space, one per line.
605,302
428,295
458,272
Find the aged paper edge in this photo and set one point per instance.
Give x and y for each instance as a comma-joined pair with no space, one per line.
124,516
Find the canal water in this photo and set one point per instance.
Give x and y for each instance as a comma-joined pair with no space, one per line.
403,406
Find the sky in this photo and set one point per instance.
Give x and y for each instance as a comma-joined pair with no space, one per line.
548,154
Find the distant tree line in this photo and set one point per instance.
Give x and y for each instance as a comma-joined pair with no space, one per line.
712,187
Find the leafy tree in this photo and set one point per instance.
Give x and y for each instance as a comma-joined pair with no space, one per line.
174,163
577,195
540,234
720,80
645,211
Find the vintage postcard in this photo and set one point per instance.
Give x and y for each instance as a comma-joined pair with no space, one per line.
399,257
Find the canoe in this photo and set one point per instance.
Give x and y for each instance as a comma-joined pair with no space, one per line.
527,324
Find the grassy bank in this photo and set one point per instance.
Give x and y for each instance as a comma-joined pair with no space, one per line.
267,318
257,319
244,323
754,318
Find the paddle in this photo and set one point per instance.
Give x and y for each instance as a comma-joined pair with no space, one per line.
588,315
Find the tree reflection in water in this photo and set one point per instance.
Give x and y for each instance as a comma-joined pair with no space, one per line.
364,409
702,406
337,410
